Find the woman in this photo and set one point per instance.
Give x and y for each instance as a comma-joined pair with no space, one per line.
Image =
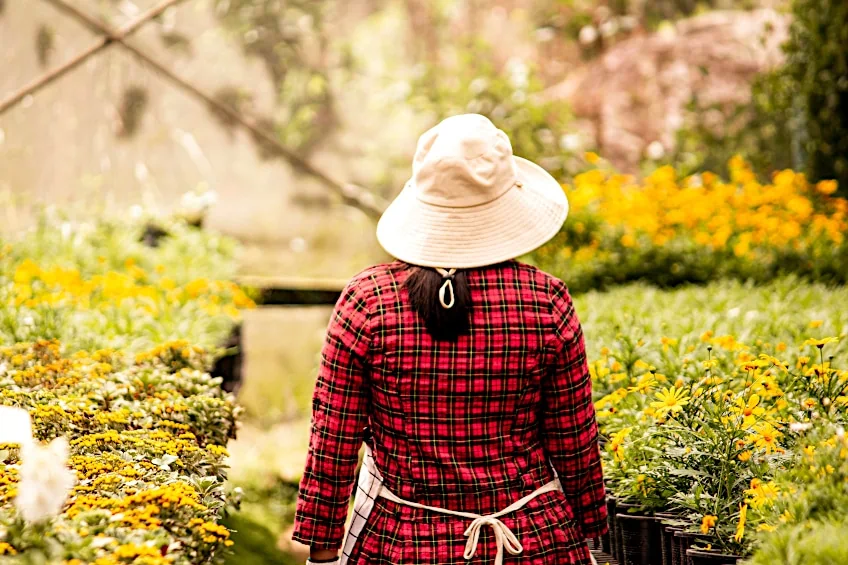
463,371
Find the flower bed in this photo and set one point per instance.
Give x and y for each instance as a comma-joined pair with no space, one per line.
95,286
667,230
147,440
704,433
126,386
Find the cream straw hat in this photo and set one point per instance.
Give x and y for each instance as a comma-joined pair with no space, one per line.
470,202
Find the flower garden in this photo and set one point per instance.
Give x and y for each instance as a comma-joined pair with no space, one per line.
721,407
714,320
106,343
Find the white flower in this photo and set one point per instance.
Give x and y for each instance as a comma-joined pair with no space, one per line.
570,142
733,312
800,426
609,28
136,211
478,85
655,151
66,230
209,198
588,35
519,74
15,423
45,480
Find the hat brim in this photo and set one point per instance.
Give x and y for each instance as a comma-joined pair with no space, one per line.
517,222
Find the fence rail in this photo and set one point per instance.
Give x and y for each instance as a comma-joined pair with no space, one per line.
294,291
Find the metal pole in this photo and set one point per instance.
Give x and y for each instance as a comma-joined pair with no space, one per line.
40,82
349,193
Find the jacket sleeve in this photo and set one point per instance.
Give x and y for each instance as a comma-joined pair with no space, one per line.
569,428
339,414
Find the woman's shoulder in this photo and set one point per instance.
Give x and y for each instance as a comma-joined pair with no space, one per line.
375,276
544,281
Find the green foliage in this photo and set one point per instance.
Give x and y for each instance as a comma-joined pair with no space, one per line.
290,40
762,131
817,63
146,443
798,114
806,522
813,543
95,285
508,96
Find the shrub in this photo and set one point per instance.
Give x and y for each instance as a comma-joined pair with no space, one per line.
147,444
667,230
817,63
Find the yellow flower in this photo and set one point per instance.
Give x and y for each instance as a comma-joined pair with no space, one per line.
591,157
740,527
670,400
667,342
765,437
766,528
749,410
827,186
816,323
821,342
761,492
615,443
708,523
744,456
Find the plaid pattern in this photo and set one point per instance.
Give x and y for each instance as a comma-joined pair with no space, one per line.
471,425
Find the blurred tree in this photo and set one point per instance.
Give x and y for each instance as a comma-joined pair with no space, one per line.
817,64
798,114
764,131
458,72
291,40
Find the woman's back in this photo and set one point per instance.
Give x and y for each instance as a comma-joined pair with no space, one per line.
470,424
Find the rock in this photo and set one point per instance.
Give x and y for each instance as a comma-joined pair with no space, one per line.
636,93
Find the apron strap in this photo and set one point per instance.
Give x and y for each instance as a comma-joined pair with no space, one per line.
504,537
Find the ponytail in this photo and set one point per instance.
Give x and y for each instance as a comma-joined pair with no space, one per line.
442,299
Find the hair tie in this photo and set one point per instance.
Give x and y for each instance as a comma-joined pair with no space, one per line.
447,286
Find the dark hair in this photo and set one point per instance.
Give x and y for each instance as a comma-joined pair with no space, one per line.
423,286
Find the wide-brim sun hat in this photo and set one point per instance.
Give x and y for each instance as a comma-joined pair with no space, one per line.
470,202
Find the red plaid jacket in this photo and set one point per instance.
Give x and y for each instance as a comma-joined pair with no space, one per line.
471,425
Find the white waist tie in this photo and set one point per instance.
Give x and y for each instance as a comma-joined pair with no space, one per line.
503,535
370,487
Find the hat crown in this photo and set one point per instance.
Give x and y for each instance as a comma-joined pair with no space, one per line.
463,161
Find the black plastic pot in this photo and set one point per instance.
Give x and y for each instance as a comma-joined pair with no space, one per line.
640,539
666,537
683,541
608,541
618,543
710,557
